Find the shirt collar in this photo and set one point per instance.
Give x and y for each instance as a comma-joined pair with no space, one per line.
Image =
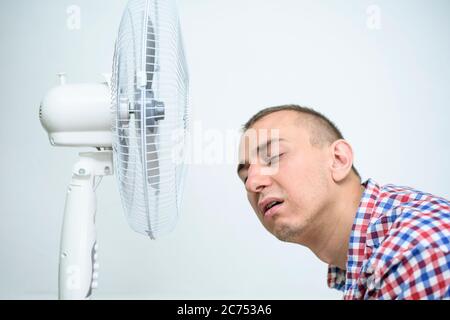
345,280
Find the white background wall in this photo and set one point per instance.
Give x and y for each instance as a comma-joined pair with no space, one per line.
388,91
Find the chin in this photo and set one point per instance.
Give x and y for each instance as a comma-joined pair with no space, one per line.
286,233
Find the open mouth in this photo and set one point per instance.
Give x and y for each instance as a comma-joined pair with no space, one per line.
270,205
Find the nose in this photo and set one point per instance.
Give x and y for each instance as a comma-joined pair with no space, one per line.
256,181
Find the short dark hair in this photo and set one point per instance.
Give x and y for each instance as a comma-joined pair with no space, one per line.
322,131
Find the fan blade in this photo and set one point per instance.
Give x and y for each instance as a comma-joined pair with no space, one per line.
153,172
151,55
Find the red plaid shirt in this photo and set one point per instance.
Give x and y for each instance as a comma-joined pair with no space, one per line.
399,247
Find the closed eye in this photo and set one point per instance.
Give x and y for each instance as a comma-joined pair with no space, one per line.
268,162
274,159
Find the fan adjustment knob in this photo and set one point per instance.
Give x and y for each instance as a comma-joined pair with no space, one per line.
81,172
62,76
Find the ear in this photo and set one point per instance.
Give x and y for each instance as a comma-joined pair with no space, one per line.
342,160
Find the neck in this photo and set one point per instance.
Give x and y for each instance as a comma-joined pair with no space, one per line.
332,231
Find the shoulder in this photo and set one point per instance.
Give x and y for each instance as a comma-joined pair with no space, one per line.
406,217
410,242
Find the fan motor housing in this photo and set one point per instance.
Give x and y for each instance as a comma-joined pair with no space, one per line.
78,115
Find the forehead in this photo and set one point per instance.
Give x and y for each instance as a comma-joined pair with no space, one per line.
285,125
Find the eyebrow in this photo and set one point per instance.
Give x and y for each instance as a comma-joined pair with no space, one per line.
262,146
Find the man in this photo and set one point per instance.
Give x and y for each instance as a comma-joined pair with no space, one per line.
380,242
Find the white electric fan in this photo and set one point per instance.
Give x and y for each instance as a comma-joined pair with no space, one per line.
138,122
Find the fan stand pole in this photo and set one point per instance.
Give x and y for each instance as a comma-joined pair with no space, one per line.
78,269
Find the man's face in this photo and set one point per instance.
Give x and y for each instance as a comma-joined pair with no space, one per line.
288,173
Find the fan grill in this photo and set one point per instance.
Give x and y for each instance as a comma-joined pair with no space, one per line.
150,68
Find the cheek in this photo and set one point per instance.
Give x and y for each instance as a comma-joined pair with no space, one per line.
303,179
295,171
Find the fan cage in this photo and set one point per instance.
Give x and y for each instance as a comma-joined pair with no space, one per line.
149,154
